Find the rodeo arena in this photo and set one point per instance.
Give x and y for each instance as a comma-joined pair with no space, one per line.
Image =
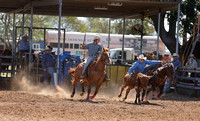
47,82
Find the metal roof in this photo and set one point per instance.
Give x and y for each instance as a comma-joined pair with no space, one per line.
90,8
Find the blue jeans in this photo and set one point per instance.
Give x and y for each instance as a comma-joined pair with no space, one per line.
49,72
167,86
89,60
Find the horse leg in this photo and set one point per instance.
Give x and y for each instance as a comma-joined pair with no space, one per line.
143,94
74,85
83,89
137,99
89,90
127,92
161,91
97,88
122,89
146,97
138,95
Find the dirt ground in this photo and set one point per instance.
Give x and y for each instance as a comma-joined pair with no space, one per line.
50,105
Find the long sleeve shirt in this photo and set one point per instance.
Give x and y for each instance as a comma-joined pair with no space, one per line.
139,67
48,60
192,63
24,45
176,63
93,49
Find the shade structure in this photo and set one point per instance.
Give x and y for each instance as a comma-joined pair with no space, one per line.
90,8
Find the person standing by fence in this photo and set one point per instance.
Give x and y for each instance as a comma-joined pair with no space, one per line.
48,64
176,62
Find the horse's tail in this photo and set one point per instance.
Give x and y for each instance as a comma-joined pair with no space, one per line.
71,72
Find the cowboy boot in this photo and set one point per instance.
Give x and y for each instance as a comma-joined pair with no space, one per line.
106,79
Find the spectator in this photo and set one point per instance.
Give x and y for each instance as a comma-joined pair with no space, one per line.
48,64
140,66
24,46
166,58
176,62
192,63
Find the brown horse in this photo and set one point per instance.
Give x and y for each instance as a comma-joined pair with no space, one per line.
96,73
132,81
159,77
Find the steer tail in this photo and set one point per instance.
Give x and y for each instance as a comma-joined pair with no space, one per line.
71,72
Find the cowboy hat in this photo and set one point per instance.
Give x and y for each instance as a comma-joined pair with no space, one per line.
166,53
25,35
142,57
47,48
96,37
192,55
175,55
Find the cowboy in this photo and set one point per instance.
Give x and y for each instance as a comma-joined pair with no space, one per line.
176,62
140,66
166,57
93,52
48,64
24,44
192,63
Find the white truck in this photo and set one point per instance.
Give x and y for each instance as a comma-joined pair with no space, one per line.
129,55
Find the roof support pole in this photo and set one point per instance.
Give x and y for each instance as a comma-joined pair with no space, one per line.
123,40
141,34
30,40
44,38
178,19
59,24
64,41
5,27
22,24
158,35
13,34
109,34
13,45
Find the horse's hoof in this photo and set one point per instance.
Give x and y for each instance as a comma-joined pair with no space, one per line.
146,102
82,93
87,99
119,95
72,95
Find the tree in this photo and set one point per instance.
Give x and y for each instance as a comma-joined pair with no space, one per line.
117,26
189,10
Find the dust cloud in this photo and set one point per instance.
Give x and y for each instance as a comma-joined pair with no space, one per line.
22,82
28,84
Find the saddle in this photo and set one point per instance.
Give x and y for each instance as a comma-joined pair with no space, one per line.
90,66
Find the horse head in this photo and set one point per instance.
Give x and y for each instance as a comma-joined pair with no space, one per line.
105,55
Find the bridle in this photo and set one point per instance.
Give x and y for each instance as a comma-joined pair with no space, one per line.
103,58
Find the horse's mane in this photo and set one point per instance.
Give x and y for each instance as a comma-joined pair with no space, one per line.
104,50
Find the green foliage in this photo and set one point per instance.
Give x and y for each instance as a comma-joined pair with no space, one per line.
189,10
97,25
117,26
